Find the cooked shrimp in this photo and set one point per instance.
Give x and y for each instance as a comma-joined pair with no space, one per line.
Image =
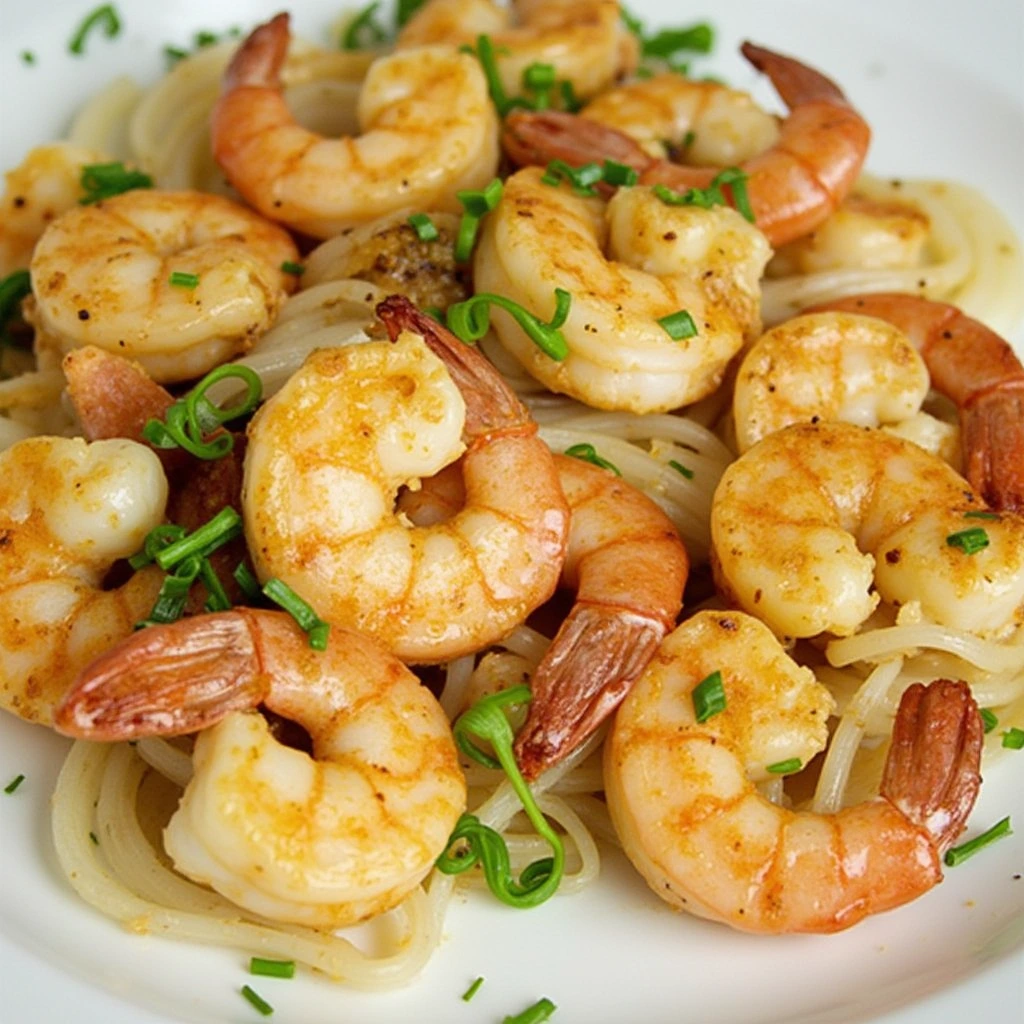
44,185
584,40
68,511
326,840
429,129
810,520
328,454
683,798
105,275
793,186
627,263
827,366
975,368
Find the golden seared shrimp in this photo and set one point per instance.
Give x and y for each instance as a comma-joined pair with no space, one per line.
811,520
429,129
179,281
793,186
68,511
324,840
42,187
682,793
827,366
328,454
584,40
627,263
975,368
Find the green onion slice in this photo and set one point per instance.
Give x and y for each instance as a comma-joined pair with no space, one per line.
619,174
709,697
28,57
272,968
102,181
791,764
681,469
732,178
363,30
104,18
540,79
958,854
588,453
309,622
202,542
470,321
1013,738
297,269
988,719
472,990
14,784
257,1001
247,582
583,178
539,1012
699,38
982,514
426,230
181,279
970,541
476,205
679,325
485,53
405,10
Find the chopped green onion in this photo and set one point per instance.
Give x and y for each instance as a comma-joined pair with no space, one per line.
180,279
363,30
540,79
619,174
95,839
425,229
732,178
470,320
632,22
689,139
102,181
538,881
981,514
988,719
405,10
13,288
309,622
539,1012
435,313
958,854
583,179
970,541
256,999
1013,738
217,599
791,764
588,453
680,468
155,541
570,101
14,784
709,697
202,542
174,54
485,54
247,582
288,267
698,38
679,325
104,18
476,203
272,968
28,57
735,180
472,990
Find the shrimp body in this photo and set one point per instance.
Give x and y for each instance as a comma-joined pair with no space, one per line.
793,186
328,454
831,366
429,129
811,520
68,511
584,40
324,840
627,263
104,275
683,798
975,368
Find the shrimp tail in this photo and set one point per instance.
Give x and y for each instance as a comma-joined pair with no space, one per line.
992,421
167,680
795,83
932,773
258,61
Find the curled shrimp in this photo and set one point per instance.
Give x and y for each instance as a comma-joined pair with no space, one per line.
975,368
683,798
328,454
68,511
429,129
811,520
179,281
793,186
326,840
584,40
628,263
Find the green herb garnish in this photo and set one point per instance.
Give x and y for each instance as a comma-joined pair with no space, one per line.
588,453
426,230
476,204
539,1012
257,1001
709,697
970,542
791,764
679,325
1013,738
272,968
958,854
102,181
309,622
470,320
104,18
14,784
181,279
297,269
988,719
472,990
681,469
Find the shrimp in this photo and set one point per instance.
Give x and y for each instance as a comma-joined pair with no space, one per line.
793,186
973,367
811,519
660,260
68,511
833,366
104,275
683,799
328,454
584,40
323,841
429,127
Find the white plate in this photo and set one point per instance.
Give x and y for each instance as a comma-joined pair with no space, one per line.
941,85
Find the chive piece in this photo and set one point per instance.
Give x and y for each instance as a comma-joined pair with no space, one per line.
981,514
247,582
363,31
174,54
485,54
1013,738
101,181
709,697
13,288
988,719
180,279
791,764
28,57
735,180
472,990
958,854
202,542
14,784
680,468
272,968
476,205
154,542
539,79
619,174
679,325
469,321
632,22
689,139
570,101
581,178
95,839
732,178
217,599
104,18
309,622
425,229
699,38
254,997
288,267
588,453
970,541
539,1012
405,10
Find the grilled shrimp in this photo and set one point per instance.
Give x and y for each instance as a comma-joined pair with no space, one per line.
326,840
429,129
627,264
975,368
807,523
328,454
179,281
793,186
683,799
